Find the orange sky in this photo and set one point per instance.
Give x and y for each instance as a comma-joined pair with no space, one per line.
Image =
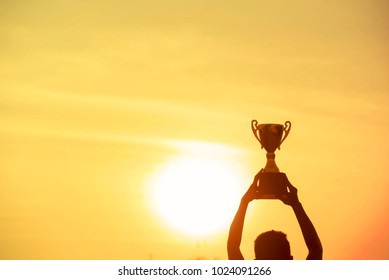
96,97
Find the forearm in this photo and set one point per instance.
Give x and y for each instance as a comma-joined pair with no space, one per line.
310,235
235,233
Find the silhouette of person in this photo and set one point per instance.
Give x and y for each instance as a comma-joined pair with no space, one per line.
273,245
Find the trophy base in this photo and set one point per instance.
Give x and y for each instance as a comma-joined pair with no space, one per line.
272,185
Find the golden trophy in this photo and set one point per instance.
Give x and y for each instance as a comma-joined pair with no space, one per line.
273,183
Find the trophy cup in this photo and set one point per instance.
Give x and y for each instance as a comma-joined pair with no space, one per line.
273,183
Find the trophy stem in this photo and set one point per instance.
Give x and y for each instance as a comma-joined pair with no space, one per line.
271,163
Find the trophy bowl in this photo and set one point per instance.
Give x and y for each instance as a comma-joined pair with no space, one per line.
270,137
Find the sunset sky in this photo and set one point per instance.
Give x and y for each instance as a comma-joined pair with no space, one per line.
125,125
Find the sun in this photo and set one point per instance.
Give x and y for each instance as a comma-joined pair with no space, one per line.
197,192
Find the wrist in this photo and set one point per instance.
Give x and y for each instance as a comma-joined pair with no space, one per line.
296,204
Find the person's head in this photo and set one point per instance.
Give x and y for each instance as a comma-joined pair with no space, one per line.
272,245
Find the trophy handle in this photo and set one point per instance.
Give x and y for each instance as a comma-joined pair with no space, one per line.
254,128
287,127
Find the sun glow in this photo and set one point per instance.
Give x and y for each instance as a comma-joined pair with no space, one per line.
196,193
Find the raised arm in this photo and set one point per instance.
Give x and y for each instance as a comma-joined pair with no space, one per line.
312,240
236,228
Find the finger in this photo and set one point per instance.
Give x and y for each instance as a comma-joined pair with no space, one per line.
258,175
287,180
290,186
253,187
292,189
254,183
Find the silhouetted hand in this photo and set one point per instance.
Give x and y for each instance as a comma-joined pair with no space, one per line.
251,193
291,197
